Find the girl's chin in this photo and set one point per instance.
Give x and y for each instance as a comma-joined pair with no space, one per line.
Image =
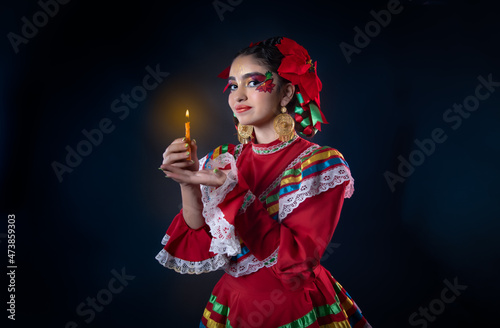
244,120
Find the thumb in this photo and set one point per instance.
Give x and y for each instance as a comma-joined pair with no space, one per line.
194,151
220,175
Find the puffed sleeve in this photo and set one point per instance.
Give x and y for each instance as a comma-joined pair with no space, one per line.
310,199
188,250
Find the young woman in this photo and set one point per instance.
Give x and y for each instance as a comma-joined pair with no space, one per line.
264,210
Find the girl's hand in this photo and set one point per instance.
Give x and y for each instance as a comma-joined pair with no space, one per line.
186,172
177,154
214,178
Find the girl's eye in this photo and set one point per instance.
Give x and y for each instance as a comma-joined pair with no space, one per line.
233,87
254,83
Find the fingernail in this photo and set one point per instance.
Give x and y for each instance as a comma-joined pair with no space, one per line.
194,140
192,162
166,176
184,139
216,170
187,153
160,169
186,145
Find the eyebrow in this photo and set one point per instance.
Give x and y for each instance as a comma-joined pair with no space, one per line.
247,75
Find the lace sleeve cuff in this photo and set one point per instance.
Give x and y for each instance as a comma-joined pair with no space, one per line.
186,250
190,267
221,223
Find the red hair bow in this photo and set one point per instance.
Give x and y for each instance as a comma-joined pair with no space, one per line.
297,67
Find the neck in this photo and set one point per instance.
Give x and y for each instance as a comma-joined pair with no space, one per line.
265,134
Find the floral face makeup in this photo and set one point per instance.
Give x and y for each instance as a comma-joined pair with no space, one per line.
267,85
262,82
253,96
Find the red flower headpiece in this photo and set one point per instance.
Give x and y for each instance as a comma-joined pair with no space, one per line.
298,68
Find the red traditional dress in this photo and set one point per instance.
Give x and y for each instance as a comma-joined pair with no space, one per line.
267,227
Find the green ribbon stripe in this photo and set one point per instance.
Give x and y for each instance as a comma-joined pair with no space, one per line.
305,122
291,172
315,114
309,318
318,150
272,198
315,313
299,110
327,309
299,98
303,322
217,307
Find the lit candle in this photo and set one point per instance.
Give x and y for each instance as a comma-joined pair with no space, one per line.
188,133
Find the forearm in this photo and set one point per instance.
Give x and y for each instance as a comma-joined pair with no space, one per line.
192,206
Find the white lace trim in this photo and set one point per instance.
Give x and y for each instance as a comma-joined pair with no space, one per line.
201,162
165,239
188,267
224,239
277,181
237,151
248,199
349,190
315,185
250,265
273,149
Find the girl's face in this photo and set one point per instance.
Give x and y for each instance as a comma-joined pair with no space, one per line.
254,96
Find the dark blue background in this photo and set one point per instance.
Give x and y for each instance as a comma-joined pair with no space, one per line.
396,248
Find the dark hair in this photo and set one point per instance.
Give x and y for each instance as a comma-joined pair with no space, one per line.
268,55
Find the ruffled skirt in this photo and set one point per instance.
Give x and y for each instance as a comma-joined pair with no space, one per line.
262,300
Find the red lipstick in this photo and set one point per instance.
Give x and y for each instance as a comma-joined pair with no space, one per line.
242,108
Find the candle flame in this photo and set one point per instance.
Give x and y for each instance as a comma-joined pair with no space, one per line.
187,114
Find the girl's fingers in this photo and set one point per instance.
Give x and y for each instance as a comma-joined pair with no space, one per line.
175,170
179,175
194,150
179,140
220,176
175,162
182,165
175,157
214,178
176,148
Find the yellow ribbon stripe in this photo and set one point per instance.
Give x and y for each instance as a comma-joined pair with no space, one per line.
216,152
341,324
211,323
321,156
291,180
273,209
347,304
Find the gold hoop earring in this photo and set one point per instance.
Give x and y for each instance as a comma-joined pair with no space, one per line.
245,133
284,125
